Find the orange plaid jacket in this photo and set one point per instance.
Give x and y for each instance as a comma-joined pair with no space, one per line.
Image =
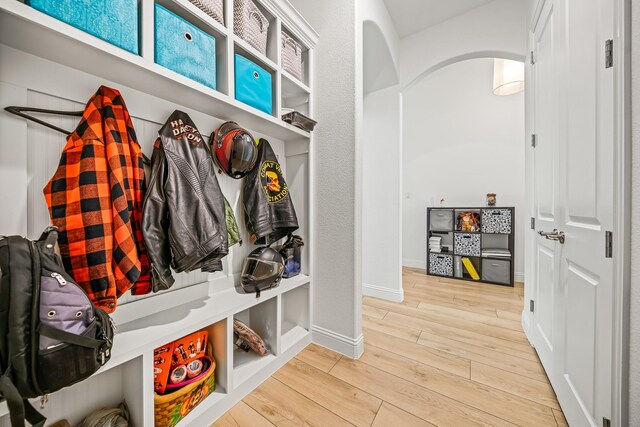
95,199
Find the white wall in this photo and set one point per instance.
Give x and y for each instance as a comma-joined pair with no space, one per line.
499,26
460,142
381,214
376,11
381,45
337,258
634,322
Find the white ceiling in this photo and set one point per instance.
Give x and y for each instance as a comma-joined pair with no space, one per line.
411,16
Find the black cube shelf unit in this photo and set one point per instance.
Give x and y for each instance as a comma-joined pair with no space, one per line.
497,228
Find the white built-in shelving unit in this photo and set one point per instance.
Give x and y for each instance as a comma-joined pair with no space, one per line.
49,64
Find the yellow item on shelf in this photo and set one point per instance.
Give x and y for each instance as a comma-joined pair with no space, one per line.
470,268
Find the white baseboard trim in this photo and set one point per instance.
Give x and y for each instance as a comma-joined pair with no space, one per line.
519,277
350,347
414,263
394,295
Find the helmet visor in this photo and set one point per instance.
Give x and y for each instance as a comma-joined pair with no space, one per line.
243,155
259,270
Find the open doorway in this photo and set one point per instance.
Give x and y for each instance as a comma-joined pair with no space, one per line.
461,141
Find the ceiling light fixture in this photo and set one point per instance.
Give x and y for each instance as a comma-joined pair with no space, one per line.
508,77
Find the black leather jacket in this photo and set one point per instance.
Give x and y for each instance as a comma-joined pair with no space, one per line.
183,221
269,211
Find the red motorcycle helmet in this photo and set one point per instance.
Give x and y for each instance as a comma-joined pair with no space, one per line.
234,150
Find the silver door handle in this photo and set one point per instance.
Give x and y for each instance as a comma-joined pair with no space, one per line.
553,235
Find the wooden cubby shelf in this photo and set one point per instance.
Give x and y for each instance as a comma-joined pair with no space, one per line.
34,32
54,63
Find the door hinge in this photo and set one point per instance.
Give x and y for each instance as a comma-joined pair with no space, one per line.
533,223
608,244
606,422
532,305
608,54
532,58
534,141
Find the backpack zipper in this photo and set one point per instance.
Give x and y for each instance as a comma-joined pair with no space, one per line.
59,278
44,400
35,313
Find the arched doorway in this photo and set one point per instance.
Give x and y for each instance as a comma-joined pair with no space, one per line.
460,141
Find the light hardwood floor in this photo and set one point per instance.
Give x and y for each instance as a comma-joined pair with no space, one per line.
452,354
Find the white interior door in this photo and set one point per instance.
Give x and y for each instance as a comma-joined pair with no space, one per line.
573,181
546,171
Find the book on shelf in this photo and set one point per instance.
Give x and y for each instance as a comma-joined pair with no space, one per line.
468,265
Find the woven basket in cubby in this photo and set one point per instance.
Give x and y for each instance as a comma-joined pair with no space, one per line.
213,8
173,407
291,56
250,24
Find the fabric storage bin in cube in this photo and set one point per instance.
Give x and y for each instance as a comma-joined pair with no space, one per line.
497,271
441,265
250,24
291,56
458,269
253,84
496,221
184,48
466,244
115,21
441,220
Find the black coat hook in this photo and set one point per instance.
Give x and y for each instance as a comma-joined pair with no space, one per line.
20,111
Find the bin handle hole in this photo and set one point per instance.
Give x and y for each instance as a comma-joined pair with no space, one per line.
256,75
188,36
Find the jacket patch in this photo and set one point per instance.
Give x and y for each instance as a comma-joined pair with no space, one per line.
273,185
184,131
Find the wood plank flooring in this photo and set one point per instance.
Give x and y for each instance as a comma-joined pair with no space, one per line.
452,354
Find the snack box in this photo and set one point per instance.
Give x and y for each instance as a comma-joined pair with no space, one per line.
179,352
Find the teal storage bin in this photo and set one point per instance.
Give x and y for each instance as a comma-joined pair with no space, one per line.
115,21
253,85
184,48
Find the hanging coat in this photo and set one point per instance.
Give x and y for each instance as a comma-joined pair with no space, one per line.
184,223
95,199
269,211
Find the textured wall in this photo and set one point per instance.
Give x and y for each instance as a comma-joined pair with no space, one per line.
337,256
634,344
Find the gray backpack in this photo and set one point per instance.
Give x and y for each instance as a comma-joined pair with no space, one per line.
51,334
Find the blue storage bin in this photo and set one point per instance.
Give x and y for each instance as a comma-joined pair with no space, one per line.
253,85
115,21
184,48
